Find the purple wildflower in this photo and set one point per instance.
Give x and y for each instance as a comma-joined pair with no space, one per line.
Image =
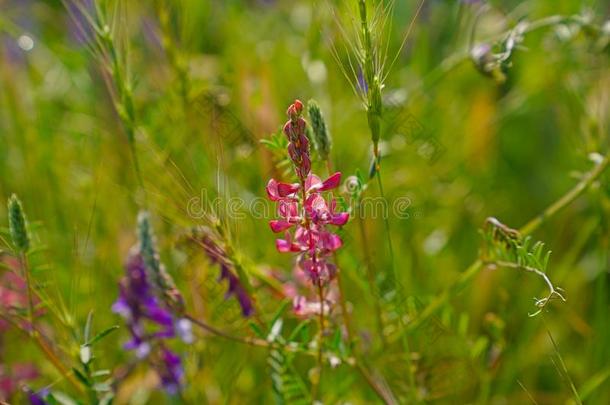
137,304
152,308
170,371
37,398
237,290
218,255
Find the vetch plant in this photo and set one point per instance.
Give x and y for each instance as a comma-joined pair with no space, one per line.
218,255
152,308
505,247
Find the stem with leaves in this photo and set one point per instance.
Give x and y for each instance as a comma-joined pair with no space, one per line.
464,279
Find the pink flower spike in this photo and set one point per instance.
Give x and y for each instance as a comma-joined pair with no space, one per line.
279,225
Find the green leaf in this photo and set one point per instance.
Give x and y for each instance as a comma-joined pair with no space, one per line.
300,327
62,398
257,330
81,377
279,312
101,373
287,385
102,335
88,325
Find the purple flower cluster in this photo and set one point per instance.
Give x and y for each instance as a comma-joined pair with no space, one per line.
151,321
218,255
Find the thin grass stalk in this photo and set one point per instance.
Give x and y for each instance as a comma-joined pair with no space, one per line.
26,271
173,54
370,273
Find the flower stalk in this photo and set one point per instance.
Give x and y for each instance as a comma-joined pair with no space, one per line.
303,209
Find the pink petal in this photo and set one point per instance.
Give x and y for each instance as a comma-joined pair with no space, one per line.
25,371
277,190
340,219
272,190
285,189
312,183
334,242
316,204
289,210
279,226
298,302
283,246
331,182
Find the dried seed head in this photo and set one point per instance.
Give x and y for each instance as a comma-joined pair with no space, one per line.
18,225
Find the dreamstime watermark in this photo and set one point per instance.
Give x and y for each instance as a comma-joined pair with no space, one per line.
237,208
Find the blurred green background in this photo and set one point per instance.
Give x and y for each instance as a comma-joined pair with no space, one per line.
211,79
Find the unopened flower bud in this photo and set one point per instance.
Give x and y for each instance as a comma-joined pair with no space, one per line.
295,110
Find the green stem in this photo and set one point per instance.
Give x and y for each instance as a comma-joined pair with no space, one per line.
33,333
370,273
455,60
25,268
320,363
567,198
342,302
386,223
384,395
